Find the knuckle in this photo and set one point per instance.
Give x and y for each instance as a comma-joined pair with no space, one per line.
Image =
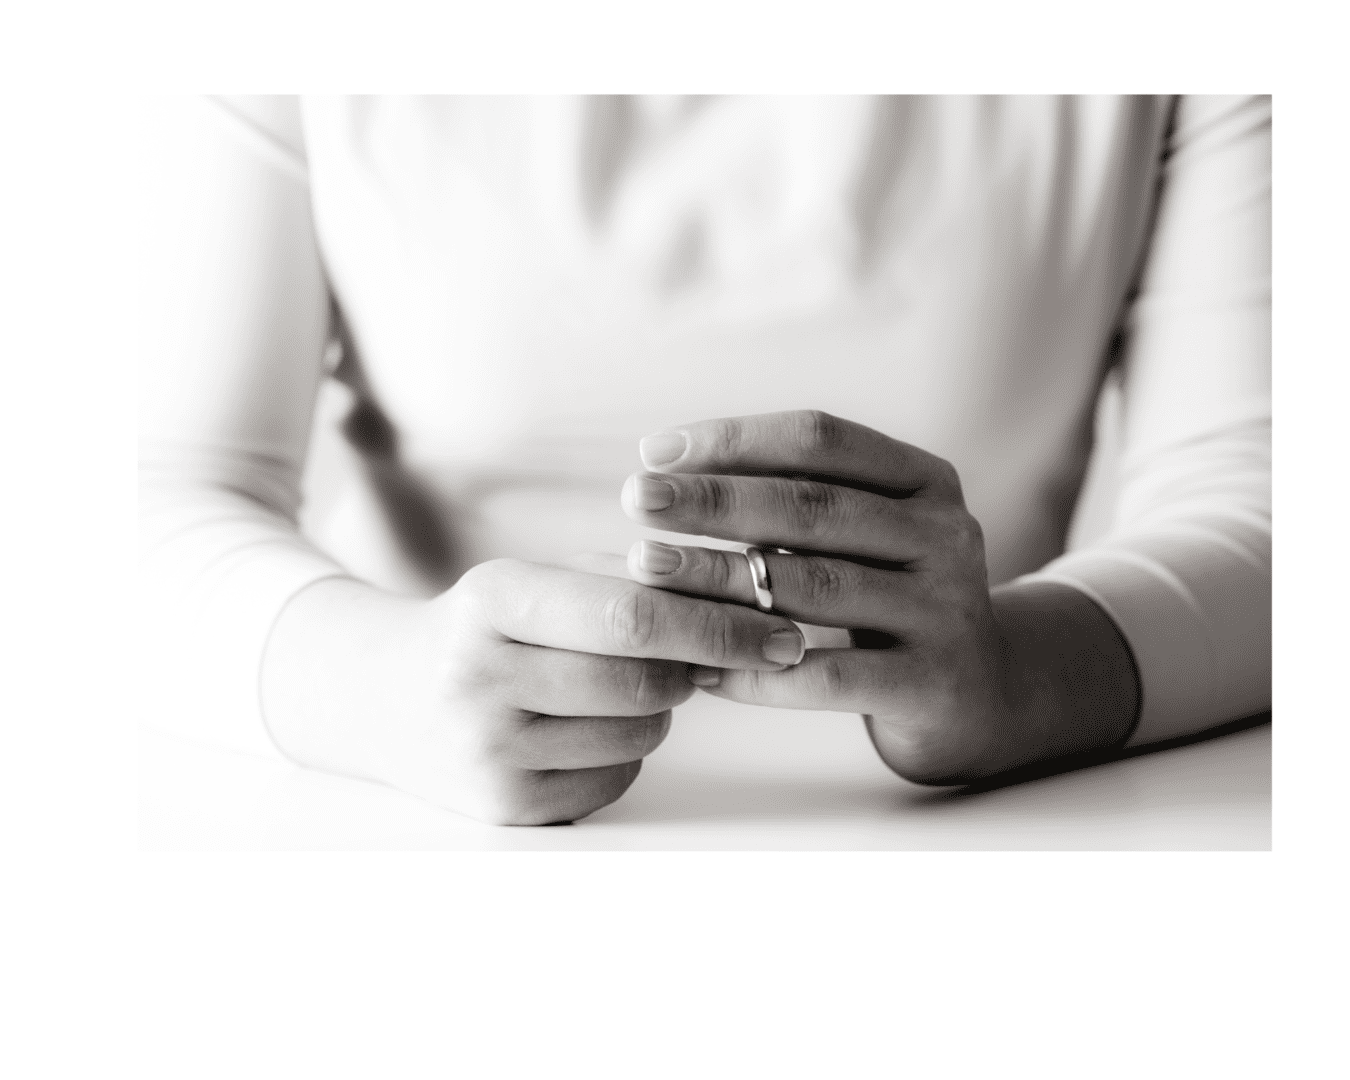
818,432
643,735
466,597
825,582
631,619
815,507
712,498
474,578
653,688
966,534
482,585
486,575
726,437
717,633
721,572
831,677
948,479
484,740
466,673
496,747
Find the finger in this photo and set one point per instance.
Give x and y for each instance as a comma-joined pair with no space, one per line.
564,609
560,682
809,588
806,442
832,680
773,511
584,742
530,797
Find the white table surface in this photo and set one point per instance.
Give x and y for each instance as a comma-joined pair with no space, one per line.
732,777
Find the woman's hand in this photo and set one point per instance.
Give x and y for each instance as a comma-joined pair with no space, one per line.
524,695
954,683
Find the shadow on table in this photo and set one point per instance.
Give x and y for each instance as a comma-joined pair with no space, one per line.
689,796
1060,766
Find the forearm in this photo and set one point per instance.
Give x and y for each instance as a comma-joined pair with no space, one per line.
220,556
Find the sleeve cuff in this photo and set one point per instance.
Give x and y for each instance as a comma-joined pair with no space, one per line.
1168,635
204,652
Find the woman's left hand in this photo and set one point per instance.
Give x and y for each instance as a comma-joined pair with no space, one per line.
883,545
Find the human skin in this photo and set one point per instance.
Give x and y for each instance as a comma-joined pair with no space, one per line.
529,694
955,682
523,695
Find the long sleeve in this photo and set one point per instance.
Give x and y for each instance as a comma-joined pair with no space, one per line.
1185,566
236,323
476,314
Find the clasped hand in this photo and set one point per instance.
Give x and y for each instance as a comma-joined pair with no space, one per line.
882,544
529,694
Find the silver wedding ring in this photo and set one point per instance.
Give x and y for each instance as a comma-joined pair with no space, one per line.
759,578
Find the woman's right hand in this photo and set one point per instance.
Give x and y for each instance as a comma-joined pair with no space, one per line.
523,695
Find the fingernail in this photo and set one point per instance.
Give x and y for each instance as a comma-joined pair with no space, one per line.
649,494
661,448
659,558
785,647
704,676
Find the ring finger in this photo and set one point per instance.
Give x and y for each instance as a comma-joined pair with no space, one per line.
808,588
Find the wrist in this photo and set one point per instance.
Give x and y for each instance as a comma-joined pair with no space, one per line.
1070,686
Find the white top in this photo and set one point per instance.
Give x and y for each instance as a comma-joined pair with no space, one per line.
528,286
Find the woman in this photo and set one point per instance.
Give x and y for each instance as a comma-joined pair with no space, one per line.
900,315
